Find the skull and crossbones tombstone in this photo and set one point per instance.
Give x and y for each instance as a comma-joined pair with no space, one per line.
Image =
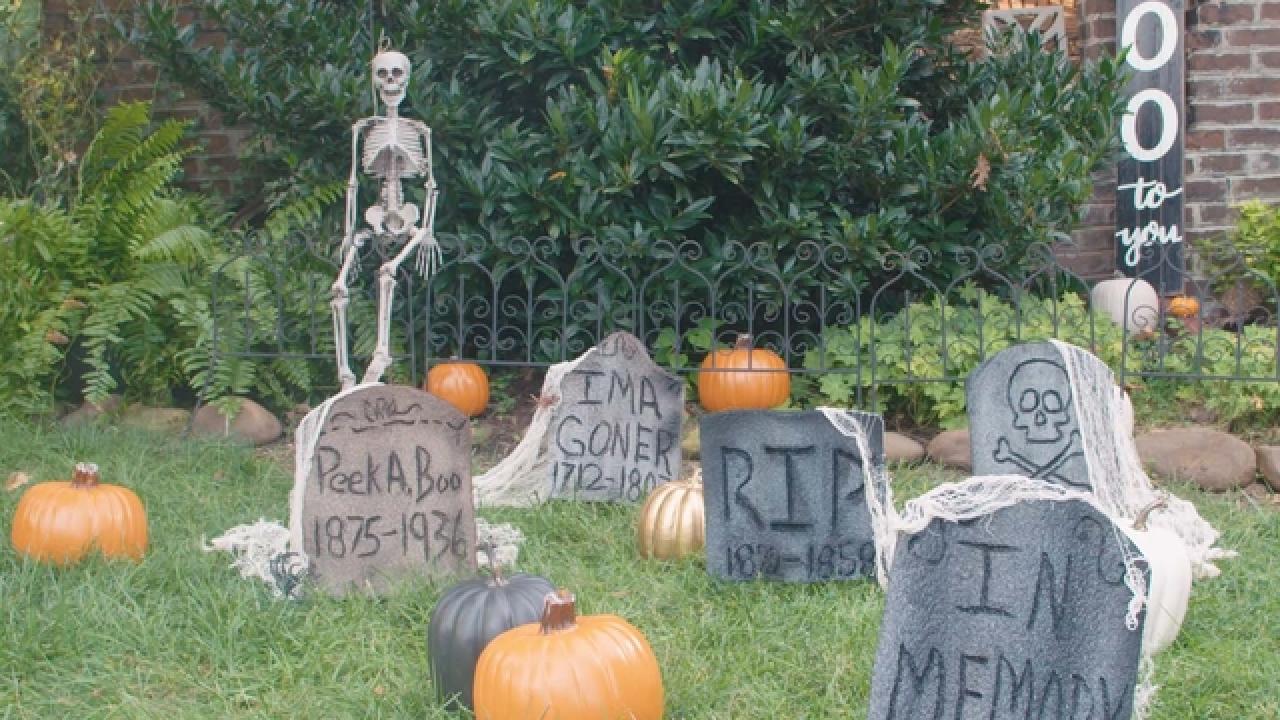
395,148
1022,419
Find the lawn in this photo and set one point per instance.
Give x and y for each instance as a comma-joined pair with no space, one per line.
182,636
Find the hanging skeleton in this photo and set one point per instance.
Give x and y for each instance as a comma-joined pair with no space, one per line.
395,148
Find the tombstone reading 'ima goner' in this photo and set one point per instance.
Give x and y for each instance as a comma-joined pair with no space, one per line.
615,434
1023,418
388,491
1017,614
785,495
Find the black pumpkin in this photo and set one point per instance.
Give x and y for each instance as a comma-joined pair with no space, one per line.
468,616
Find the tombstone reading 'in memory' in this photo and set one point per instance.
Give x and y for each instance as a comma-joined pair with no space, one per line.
389,491
1017,614
785,496
615,434
1023,418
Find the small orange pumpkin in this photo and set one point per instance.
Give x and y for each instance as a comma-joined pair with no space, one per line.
569,668
743,378
463,385
62,522
672,522
1184,306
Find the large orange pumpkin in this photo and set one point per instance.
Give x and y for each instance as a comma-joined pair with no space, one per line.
569,668
62,522
463,385
743,378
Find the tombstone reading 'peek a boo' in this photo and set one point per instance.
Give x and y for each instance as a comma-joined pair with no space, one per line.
389,491
615,434
785,496
1023,417
1017,614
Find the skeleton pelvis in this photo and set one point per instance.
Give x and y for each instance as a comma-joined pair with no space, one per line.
397,220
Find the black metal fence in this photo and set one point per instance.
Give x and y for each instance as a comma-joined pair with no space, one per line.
915,318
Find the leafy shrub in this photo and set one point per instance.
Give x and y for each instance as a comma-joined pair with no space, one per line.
916,360
771,123
1257,238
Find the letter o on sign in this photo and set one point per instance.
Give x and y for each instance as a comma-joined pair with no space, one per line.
1168,35
1168,125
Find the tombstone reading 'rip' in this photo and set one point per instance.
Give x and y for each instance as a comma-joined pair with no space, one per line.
1023,418
615,434
1017,614
785,496
388,492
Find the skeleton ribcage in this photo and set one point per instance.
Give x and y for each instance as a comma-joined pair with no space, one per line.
393,143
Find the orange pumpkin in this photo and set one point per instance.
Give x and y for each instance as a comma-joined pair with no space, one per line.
463,385
568,668
62,522
1183,306
743,378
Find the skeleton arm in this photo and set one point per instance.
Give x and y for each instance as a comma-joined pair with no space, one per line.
429,256
349,219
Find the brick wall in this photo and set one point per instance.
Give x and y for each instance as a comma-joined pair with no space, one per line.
1232,120
128,77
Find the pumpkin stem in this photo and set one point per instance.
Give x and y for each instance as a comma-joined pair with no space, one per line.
85,476
1140,522
558,612
496,578
744,342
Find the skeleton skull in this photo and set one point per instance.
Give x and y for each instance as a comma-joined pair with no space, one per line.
391,76
1040,409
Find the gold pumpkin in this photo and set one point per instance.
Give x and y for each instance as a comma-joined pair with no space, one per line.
62,522
672,523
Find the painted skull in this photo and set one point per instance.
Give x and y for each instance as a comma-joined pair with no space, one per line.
1040,397
391,76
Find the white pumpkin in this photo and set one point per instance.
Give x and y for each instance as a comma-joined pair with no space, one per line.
1169,586
1130,302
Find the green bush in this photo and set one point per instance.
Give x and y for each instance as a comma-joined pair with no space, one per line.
923,353
712,122
1257,238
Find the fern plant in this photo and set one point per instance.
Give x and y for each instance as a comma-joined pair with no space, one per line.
92,280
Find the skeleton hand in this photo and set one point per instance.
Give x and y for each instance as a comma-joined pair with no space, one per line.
429,255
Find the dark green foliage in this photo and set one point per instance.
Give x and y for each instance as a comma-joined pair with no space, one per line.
716,122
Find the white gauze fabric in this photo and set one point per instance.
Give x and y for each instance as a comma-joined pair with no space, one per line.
1120,483
523,477
877,490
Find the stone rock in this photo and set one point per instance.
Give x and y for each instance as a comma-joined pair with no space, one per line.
1269,464
155,419
786,496
901,448
253,423
1259,491
615,432
1212,459
951,448
89,411
1019,613
388,492
1024,418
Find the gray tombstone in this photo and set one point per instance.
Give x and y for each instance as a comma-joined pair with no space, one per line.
785,496
1017,614
1023,418
615,434
388,494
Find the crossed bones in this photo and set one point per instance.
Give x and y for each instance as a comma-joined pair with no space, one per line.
1004,453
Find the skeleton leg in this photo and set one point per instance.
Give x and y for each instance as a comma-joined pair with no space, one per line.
339,305
386,294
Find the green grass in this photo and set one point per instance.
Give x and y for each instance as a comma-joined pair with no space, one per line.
182,636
